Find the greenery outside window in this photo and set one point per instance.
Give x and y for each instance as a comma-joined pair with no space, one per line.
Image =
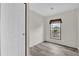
55,29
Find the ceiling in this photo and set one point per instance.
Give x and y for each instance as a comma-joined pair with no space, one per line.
44,9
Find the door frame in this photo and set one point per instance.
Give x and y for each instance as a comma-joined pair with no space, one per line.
27,29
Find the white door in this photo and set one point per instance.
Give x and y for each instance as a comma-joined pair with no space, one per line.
12,29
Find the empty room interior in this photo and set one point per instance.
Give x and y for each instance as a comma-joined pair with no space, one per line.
53,29
39,29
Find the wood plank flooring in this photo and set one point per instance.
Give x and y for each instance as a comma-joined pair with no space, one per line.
51,49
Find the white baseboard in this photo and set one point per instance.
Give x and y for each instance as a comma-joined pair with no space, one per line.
36,43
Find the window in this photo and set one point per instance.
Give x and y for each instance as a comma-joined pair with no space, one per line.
55,29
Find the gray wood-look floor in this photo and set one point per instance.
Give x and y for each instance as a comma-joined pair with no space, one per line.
51,49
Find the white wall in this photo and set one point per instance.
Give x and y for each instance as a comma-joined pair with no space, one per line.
35,28
12,28
78,29
68,28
